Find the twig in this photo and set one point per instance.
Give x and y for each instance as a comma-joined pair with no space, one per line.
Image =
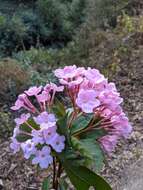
54,172
58,176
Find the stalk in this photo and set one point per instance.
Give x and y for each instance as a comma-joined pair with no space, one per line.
58,176
54,172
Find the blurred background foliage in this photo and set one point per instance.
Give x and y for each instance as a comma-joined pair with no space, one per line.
37,36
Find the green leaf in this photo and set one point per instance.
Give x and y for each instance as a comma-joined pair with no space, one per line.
24,127
91,150
23,137
45,184
75,177
62,127
94,134
63,185
80,123
33,124
80,176
83,178
71,155
59,109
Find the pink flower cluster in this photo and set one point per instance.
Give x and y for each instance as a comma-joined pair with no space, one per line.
45,138
90,92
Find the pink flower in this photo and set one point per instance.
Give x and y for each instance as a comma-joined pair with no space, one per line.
58,143
23,118
66,72
110,98
47,124
16,131
70,76
18,104
15,145
94,75
45,117
81,71
87,100
28,148
98,87
111,86
43,97
104,113
109,142
53,87
33,91
76,81
24,102
43,157
38,137
90,92
121,125
48,132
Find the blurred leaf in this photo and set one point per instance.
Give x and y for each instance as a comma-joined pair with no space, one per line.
63,185
2,20
70,155
83,178
93,134
45,184
91,151
24,127
33,124
59,108
23,137
80,123
62,127
80,176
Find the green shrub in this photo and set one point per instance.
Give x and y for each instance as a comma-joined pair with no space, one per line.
104,13
13,79
6,125
40,62
60,19
77,12
44,61
12,33
32,25
48,23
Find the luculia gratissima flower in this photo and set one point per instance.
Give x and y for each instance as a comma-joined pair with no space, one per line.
71,124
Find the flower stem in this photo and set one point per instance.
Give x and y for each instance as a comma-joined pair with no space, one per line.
54,172
58,176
